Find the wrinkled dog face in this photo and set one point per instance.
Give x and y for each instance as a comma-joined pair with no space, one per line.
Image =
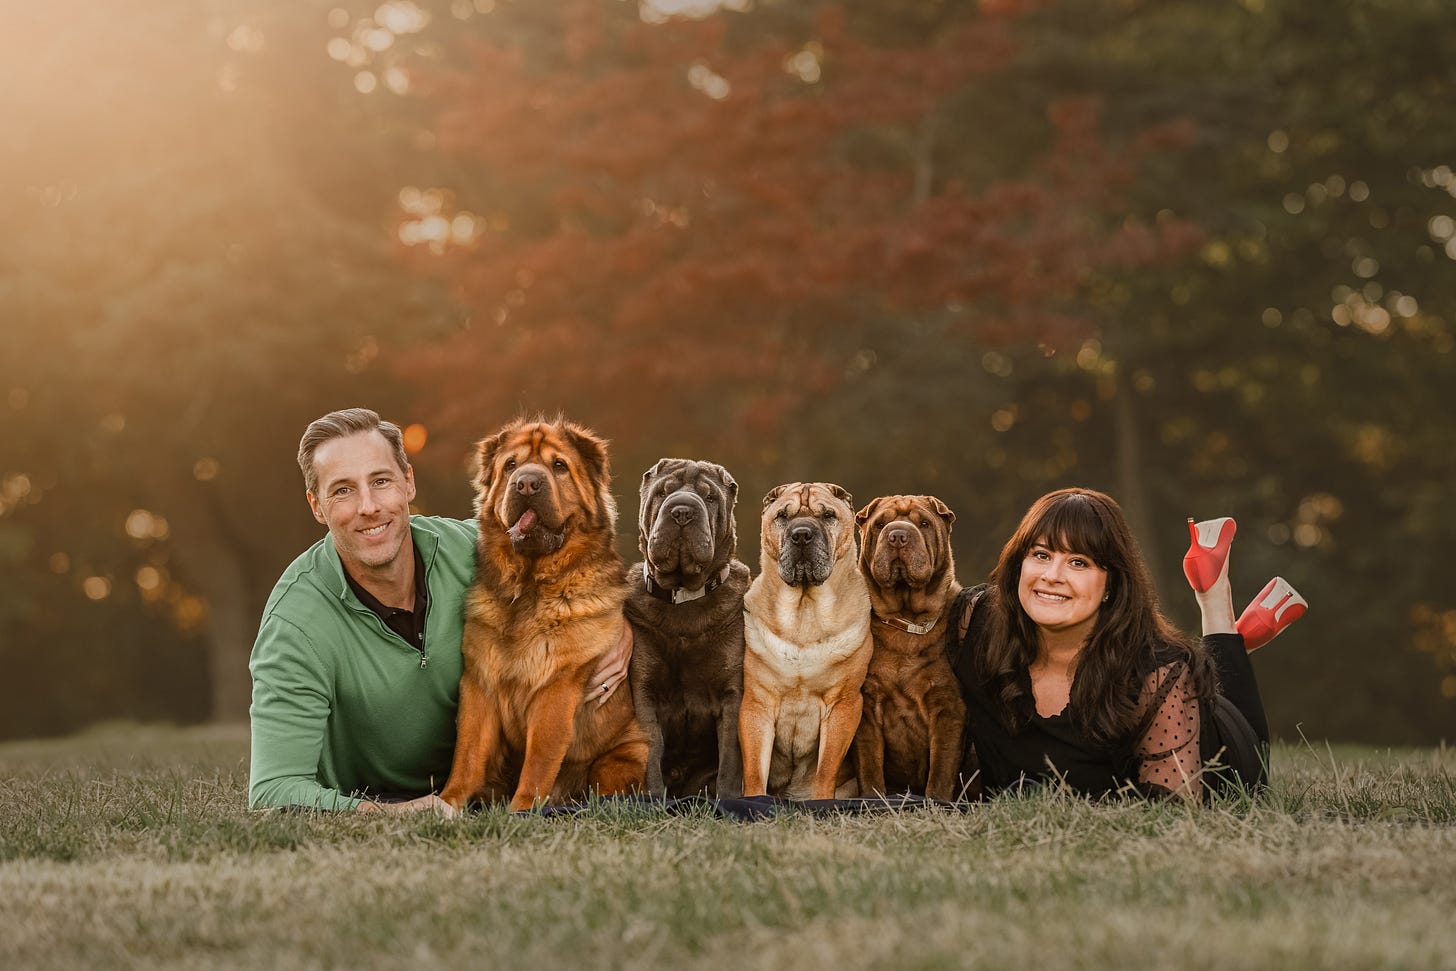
807,528
540,480
904,540
685,524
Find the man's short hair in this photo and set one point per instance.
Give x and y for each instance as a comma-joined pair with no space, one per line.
342,424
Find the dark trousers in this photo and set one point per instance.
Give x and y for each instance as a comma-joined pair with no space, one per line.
1235,734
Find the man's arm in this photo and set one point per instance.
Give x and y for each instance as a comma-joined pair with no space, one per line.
292,699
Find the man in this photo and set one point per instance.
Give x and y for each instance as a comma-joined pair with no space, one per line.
356,669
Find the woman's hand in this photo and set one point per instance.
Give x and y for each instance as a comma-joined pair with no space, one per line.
613,669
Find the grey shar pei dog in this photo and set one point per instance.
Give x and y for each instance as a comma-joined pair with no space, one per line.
686,611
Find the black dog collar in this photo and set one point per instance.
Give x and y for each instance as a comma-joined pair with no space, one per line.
680,595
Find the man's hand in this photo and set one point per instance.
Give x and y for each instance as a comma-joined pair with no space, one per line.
613,669
430,803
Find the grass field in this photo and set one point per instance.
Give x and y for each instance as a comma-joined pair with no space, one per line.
129,847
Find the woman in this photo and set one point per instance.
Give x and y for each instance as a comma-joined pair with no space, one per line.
1070,671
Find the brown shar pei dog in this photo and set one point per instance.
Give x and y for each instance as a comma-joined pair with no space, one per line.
910,737
687,621
807,639
545,606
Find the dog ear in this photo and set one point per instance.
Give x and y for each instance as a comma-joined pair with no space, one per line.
941,510
644,525
863,516
485,452
842,494
731,484
593,450
774,493
645,490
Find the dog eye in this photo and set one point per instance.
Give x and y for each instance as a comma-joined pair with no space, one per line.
559,465
510,464
924,524
783,513
828,514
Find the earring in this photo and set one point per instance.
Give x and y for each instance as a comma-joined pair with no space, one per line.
1106,597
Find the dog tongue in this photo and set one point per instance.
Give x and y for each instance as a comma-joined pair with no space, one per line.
524,524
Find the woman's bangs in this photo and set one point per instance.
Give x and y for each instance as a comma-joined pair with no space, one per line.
1074,526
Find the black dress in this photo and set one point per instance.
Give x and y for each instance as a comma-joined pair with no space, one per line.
1181,737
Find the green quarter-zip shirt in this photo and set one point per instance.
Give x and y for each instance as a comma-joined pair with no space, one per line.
343,706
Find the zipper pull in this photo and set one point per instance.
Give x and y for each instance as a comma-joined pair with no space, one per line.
423,658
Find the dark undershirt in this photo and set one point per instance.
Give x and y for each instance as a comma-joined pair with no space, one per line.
408,624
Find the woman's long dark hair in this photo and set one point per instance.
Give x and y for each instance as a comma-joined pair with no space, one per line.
1130,639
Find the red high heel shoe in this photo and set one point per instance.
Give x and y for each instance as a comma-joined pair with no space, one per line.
1207,551
1276,607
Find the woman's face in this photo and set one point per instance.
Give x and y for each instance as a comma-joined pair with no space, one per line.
1061,592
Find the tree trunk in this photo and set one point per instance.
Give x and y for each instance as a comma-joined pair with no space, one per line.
216,567
1131,490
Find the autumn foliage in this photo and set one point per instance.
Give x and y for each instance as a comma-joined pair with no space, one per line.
694,210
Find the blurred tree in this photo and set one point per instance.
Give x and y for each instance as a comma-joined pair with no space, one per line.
184,290
694,225
1199,255
1298,372
737,233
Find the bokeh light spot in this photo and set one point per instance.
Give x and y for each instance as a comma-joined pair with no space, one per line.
139,524
415,437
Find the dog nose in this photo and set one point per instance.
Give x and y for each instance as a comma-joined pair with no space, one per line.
897,536
801,535
529,483
682,515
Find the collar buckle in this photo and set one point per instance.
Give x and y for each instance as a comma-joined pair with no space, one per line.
680,595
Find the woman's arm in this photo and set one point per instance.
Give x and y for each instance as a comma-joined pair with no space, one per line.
1168,751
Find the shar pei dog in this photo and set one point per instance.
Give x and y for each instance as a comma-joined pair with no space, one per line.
910,736
807,646
686,611
545,605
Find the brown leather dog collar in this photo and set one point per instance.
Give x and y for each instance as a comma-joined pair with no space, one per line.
908,627
680,595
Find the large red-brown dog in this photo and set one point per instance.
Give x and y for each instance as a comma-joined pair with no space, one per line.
545,606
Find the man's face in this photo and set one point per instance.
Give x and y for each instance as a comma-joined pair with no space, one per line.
363,498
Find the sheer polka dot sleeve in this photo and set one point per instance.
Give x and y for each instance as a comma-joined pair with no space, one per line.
1168,751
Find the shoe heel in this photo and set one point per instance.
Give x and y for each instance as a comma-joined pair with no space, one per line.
1208,549
1276,607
